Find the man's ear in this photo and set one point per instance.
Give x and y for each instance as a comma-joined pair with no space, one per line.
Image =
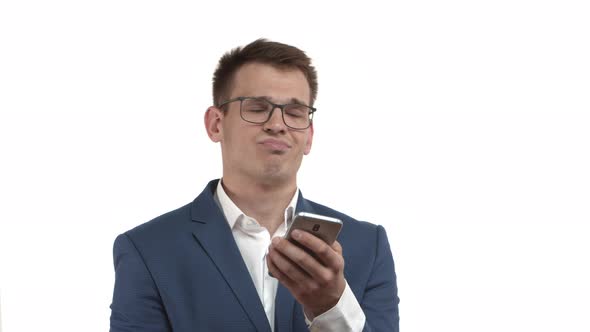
309,140
213,118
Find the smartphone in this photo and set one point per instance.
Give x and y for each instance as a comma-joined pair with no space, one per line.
326,228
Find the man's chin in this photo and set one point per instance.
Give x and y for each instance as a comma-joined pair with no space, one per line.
276,172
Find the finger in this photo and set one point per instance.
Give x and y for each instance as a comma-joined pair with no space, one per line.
337,247
286,265
330,256
299,290
298,256
280,276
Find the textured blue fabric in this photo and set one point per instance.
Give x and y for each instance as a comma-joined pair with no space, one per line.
183,272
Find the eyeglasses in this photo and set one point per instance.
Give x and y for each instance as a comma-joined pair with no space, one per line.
259,110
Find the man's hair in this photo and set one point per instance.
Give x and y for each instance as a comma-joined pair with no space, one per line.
263,51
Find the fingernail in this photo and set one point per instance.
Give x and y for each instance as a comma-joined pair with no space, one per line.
296,234
276,240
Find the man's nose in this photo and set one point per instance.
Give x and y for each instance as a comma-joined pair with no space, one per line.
275,123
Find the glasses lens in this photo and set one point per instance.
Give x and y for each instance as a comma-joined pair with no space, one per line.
297,116
255,110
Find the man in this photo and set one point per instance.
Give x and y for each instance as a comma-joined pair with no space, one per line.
220,263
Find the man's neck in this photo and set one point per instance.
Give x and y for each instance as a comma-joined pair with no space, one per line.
265,202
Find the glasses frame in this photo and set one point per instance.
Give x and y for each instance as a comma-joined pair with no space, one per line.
274,106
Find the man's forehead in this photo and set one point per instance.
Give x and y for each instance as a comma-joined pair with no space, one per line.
278,85
264,72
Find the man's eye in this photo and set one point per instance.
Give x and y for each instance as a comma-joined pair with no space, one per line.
296,112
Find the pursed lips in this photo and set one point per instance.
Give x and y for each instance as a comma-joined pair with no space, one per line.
275,144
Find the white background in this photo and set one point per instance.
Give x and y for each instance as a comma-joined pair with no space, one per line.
461,126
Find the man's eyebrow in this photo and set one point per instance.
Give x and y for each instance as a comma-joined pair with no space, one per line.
291,101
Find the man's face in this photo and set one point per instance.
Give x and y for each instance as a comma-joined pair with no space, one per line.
269,152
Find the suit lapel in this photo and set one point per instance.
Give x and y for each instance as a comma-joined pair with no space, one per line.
284,309
213,233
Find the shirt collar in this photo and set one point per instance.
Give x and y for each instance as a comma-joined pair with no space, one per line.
233,213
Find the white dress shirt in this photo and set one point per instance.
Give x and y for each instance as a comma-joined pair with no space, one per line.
253,241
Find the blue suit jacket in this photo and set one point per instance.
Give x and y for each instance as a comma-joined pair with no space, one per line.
183,272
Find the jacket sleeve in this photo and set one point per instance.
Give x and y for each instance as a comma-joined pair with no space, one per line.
380,300
137,305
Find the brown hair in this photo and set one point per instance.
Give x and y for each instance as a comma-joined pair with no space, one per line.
266,52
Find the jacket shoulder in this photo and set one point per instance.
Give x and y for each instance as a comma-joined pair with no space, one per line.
348,221
166,223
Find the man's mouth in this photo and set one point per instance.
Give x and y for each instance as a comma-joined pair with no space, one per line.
275,144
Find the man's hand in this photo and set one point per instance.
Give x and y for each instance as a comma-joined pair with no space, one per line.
315,283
